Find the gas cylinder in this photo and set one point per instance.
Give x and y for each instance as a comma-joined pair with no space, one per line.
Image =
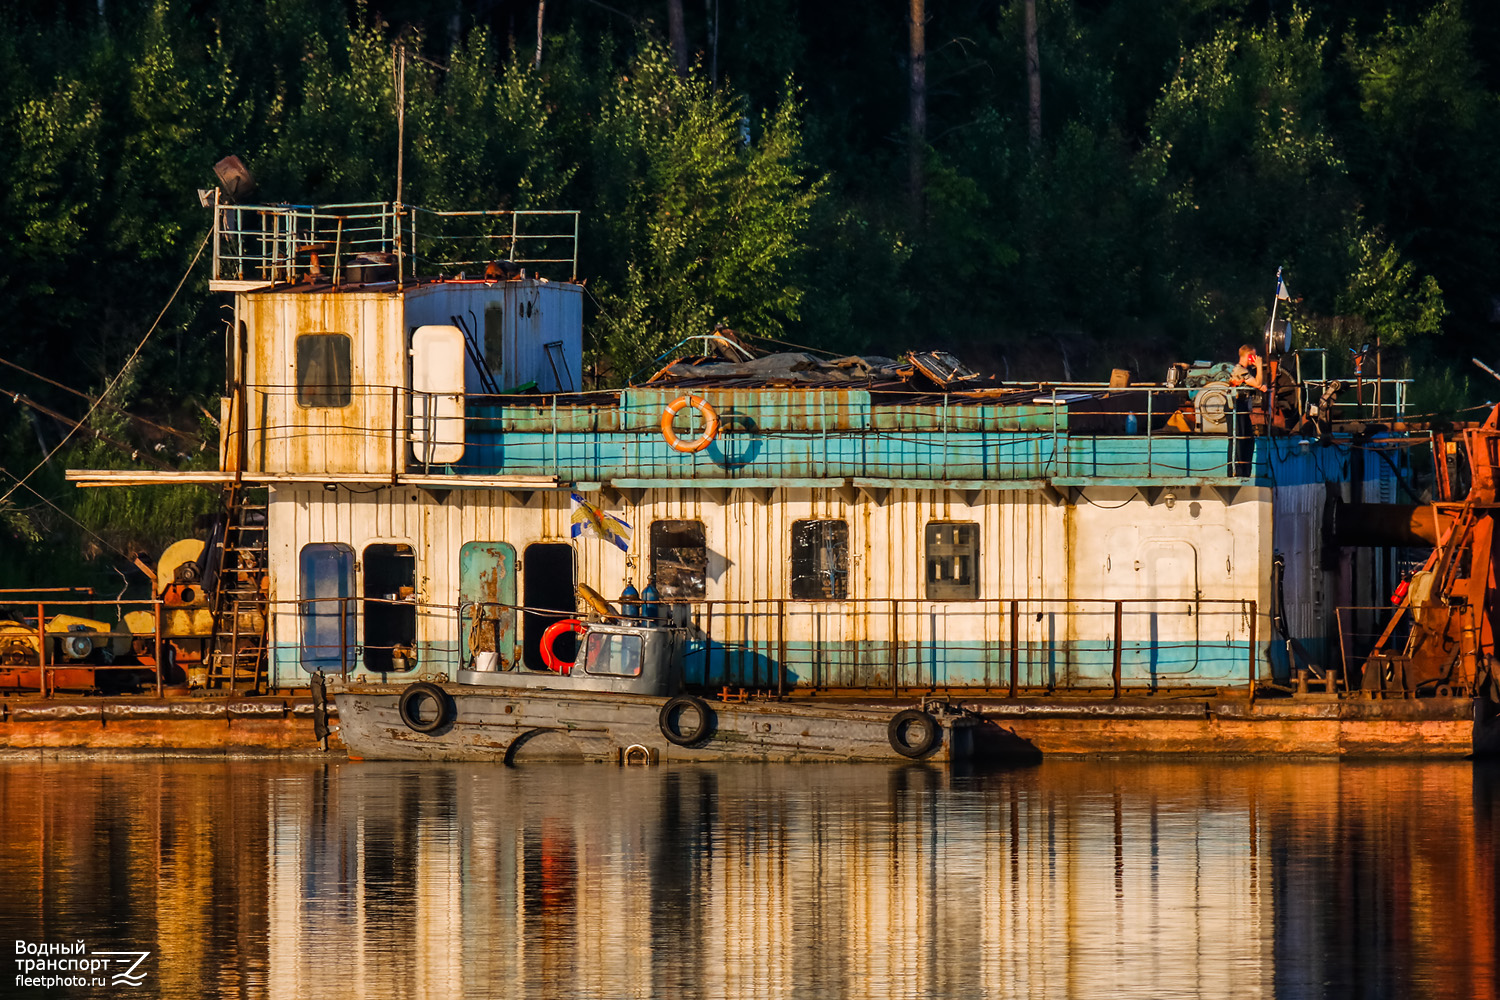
630,601
650,610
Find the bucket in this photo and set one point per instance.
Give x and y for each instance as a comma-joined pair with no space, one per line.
486,661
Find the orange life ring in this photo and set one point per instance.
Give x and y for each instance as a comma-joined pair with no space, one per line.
550,636
710,423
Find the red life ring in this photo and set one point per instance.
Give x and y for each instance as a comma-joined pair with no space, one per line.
550,636
710,423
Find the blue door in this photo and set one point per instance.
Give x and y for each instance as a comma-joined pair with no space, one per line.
327,590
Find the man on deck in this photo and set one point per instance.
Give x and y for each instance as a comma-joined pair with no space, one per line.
1250,372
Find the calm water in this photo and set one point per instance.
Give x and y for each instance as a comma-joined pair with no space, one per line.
1068,879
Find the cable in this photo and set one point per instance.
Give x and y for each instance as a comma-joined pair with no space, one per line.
1095,503
83,395
114,381
800,347
32,490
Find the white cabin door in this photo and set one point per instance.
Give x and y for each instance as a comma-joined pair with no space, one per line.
437,395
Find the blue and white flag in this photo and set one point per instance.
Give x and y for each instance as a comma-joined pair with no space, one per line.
1281,291
589,518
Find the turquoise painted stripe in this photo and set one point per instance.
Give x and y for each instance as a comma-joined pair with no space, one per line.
868,664
969,664
287,669
836,454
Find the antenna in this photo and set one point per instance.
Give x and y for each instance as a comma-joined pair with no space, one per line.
400,70
399,55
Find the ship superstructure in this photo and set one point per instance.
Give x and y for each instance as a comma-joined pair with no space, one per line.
409,388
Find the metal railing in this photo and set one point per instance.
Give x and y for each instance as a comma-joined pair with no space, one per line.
392,430
285,244
558,434
895,640
777,645
33,638
34,646
772,646
1362,627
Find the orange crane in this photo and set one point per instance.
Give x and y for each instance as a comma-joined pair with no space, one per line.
1450,607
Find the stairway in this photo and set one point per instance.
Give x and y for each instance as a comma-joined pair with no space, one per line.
237,651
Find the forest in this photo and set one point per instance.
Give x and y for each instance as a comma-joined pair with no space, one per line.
1049,188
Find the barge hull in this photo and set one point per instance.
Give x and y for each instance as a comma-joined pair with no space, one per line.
1428,728
37,726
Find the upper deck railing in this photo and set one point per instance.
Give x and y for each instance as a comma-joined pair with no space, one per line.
256,246
767,437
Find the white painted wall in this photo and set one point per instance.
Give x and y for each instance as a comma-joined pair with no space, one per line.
1111,547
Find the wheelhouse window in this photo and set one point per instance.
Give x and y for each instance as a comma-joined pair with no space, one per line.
611,654
679,559
820,560
325,376
952,561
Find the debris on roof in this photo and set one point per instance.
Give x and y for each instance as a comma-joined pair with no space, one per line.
941,367
791,368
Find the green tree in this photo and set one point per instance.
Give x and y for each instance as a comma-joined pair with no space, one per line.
1251,171
1425,143
708,214
1385,301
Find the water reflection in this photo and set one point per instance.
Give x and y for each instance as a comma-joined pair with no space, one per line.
1073,878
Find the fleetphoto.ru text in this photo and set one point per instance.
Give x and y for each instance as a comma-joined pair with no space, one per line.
48,965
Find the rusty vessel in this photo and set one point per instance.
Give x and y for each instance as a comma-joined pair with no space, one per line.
829,542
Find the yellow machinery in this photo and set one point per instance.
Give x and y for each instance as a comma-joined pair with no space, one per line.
76,647
187,620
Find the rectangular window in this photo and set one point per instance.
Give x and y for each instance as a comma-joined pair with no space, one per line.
952,561
820,560
327,588
324,374
679,559
611,654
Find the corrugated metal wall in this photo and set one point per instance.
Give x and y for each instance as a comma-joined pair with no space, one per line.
285,437
513,322
1110,546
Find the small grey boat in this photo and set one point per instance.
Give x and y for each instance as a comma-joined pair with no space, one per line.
624,701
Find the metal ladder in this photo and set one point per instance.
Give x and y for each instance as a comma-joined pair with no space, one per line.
237,650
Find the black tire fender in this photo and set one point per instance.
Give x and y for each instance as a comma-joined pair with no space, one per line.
908,739
671,720
411,702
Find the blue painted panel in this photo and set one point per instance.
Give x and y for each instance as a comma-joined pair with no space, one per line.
840,455
762,411
812,434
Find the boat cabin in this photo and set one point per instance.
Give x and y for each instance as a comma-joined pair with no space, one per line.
438,475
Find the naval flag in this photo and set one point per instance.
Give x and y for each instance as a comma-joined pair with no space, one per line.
587,517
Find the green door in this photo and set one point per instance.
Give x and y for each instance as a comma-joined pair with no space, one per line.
487,593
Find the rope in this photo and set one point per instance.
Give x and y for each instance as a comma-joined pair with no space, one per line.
114,381
33,491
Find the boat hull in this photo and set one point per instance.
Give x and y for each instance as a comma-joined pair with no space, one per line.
516,725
